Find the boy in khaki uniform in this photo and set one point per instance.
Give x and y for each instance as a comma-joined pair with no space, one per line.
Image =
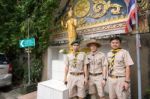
76,71
118,70
97,64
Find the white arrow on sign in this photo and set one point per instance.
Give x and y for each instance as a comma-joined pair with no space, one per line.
21,43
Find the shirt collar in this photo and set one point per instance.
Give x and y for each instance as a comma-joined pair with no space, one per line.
115,50
94,53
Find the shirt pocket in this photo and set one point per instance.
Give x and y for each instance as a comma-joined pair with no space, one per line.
98,61
71,58
80,61
89,60
72,61
119,60
109,59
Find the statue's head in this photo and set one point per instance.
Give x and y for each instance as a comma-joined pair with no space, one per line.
70,12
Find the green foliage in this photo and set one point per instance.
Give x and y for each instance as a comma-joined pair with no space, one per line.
18,72
36,71
16,16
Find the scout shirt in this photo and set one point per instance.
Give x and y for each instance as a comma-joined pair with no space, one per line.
121,60
75,62
96,62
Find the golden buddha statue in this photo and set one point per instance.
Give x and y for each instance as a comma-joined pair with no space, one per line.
70,25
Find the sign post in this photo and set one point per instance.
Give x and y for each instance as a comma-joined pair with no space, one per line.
27,43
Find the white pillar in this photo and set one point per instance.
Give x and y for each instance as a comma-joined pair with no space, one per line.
49,64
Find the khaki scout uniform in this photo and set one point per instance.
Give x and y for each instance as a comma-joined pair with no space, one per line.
96,62
117,75
76,74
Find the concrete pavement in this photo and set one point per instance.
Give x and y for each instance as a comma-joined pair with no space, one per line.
9,95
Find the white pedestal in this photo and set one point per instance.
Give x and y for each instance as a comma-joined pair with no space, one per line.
52,89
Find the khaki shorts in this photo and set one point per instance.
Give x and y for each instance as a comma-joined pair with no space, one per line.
95,83
76,86
116,89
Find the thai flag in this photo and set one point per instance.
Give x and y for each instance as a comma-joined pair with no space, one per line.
131,9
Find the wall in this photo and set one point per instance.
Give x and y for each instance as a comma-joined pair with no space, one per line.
44,59
145,64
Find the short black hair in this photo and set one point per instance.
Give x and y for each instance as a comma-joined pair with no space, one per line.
116,38
76,41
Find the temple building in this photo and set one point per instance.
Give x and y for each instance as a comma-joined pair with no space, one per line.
102,19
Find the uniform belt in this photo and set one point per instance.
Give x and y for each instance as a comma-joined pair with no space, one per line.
95,74
76,74
113,76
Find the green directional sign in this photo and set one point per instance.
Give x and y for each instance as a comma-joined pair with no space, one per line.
27,42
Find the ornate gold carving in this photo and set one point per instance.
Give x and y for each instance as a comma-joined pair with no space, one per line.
143,16
112,24
115,8
100,8
81,21
83,24
104,22
97,29
82,8
143,24
144,5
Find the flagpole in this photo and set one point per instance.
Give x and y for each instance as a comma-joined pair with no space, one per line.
138,56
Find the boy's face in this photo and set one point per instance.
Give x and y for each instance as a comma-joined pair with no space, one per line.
93,48
115,44
76,47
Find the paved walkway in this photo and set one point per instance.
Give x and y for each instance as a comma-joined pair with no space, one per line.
32,95
6,93
9,95
14,94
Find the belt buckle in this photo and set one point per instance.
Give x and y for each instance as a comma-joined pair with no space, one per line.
112,76
92,74
115,77
75,74
96,74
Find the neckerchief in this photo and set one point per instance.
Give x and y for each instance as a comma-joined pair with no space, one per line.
75,59
111,62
